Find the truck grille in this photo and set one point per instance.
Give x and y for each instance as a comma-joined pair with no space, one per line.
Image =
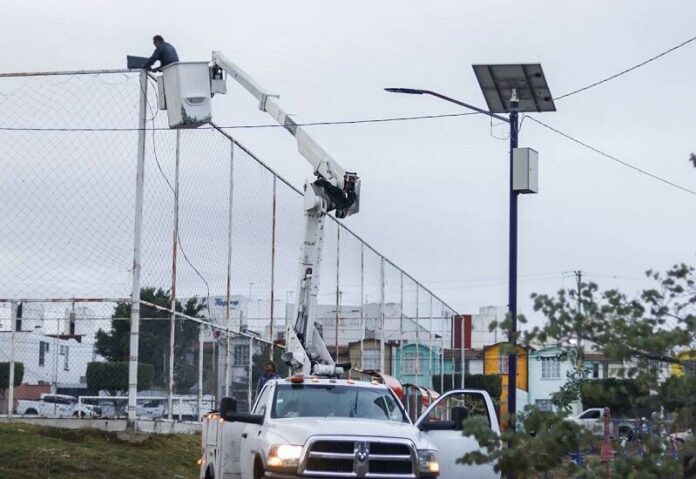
360,457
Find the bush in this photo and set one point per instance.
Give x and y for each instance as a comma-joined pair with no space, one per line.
113,377
5,375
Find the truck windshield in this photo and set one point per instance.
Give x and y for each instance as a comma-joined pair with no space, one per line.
329,400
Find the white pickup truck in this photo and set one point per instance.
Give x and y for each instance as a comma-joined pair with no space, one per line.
340,428
56,406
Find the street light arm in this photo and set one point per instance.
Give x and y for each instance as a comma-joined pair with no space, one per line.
412,91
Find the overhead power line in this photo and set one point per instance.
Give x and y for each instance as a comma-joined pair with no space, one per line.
634,67
268,125
613,158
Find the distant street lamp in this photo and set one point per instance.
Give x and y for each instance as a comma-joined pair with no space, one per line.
509,89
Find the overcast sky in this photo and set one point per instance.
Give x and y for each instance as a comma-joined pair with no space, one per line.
435,191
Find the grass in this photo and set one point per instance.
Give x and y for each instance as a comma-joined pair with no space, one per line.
28,451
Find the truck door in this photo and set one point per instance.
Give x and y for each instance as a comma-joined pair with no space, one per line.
441,423
250,434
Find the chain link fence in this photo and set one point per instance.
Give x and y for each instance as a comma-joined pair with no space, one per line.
218,263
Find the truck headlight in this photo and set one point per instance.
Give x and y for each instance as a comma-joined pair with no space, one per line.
284,456
428,462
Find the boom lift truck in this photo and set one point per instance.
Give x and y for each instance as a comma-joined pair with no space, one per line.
314,424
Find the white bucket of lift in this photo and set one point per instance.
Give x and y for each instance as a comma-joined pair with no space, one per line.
187,92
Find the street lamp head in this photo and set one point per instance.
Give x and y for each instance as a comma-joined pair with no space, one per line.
410,91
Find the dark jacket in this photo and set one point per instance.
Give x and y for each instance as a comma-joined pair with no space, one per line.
165,54
264,379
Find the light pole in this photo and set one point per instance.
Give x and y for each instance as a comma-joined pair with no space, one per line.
509,89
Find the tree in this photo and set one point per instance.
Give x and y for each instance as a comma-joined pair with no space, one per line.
5,376
646,332
154,337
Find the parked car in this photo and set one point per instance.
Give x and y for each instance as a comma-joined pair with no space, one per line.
56,406
591,419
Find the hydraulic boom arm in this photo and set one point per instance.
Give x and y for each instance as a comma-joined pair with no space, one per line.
334,189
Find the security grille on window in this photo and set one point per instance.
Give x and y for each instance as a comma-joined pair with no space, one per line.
64,351
544,404
43,350
370,359
240,353
550,368
503,366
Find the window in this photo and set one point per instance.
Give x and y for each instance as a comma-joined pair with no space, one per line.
240,354
260,407
544,404
595,370
409,360
43,349
503,366
550,368
454,408
371,359
334,400
64,350
592,414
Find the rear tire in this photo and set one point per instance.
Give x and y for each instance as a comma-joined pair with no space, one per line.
209,474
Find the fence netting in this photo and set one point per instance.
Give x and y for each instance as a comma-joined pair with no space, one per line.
219,263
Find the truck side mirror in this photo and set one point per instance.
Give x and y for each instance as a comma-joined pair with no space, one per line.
228,405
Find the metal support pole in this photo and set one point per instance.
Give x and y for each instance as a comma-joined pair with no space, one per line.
430,344
228,309
463,348
381,315
512,289
175,247
250,372
362,304
137,245
338,285
273,257
200,372
13,328
417,336
401,327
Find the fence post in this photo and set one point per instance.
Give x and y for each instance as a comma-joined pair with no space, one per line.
13,328
251,371
417,334
338,290
175,246
137,244
273,257
200,370
362,304
430,342
463,348
381,315
401,326
228,310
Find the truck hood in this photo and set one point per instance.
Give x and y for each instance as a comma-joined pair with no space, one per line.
299,430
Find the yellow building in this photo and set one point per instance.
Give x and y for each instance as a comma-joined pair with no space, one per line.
495,362
688,359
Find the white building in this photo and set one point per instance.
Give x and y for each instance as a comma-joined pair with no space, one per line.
60,361
481,336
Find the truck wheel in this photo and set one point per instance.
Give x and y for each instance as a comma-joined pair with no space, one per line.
259,472
209,474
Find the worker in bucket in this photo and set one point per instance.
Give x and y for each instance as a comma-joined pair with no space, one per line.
269,372
164,52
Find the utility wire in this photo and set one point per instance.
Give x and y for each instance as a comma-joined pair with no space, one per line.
613,158
268,125
634,67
